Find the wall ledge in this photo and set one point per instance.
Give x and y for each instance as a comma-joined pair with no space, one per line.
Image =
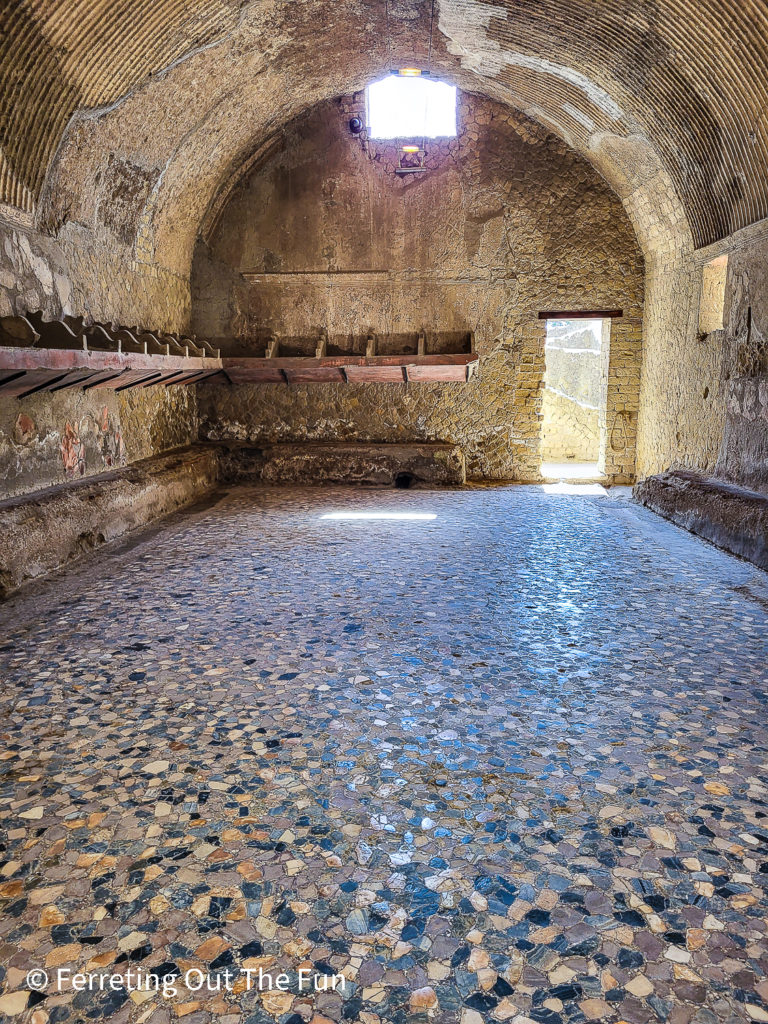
365,463
47,529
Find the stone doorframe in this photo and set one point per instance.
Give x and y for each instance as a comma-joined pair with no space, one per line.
622,354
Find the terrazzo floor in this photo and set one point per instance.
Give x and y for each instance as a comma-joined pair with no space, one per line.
507,761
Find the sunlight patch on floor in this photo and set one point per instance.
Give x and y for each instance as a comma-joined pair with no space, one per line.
584,472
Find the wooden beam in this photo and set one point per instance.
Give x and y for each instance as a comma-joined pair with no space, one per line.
315,375
21,384
8,379
417,372
581,314
375,374
97,359
133,379
74,379
99,378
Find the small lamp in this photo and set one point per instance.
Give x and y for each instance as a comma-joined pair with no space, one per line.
411,160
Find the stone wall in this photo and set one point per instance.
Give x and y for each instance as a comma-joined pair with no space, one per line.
50,438
682,408
743,454
570,430
63,523
703,402
34,273
95,273
507,221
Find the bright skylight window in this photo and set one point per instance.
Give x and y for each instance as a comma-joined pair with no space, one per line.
411,108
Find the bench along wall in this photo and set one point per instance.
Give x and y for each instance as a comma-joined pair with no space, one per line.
506,221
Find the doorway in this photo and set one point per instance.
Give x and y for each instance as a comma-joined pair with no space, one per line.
573,402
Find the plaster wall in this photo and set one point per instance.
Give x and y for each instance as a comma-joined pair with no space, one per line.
743,453
47,439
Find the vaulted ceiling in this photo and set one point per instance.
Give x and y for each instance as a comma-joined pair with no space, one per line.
666,97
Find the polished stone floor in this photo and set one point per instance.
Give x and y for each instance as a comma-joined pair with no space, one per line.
501,754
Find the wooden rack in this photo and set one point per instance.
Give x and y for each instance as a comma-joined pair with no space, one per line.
52,355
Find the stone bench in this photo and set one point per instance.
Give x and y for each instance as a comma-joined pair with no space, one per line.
365,464
46,529
731,517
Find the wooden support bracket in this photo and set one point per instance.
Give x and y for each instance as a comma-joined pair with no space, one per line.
273,347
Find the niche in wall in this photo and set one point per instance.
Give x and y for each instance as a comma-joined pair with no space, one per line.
712,297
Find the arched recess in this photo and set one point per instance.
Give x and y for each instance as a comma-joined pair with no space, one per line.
664,97
680,85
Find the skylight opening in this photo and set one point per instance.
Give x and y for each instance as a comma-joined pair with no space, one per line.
404,107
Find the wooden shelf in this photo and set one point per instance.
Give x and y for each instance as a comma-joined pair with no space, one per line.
459,366
25,371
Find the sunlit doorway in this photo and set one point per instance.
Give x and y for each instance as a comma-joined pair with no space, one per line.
573,403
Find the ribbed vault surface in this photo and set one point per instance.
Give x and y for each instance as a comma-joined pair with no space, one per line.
59,56
687,77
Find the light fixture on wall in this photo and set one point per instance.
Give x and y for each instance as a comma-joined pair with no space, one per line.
411,160
410,96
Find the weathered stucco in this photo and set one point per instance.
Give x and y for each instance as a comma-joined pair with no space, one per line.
90,273
506,222
62,523
682,399
33,271
743,455
50,438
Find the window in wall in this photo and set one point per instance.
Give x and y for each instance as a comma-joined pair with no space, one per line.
411,107
712,297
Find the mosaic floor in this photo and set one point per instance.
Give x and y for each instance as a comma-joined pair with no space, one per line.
506,763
